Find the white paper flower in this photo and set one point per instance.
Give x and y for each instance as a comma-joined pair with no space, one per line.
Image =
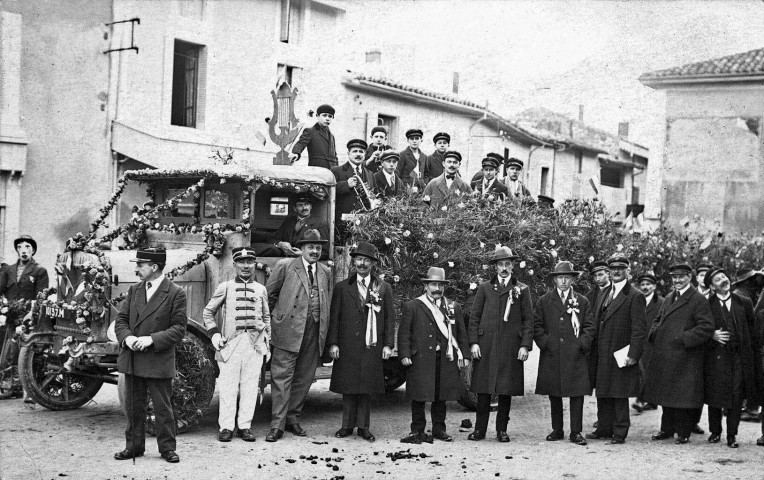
491,198
451,264
591,259
426,198
482,245
485,267
388,241
444,208
430,236
461,205
357,221
553,252
522,264
435,255
396,278
552,242
406,233
619,247
530,271
458,192
415,189
397,250
473,286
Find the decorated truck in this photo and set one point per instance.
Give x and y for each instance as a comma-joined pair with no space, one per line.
69,348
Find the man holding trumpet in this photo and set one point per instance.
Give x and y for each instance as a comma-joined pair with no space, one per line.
353,179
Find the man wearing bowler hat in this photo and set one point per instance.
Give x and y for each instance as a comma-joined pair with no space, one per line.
150,323
730,365
500,335
564,331
349,177
647,284
319,140
433,168
674,379
620,335
489,185
361,336
387,181
241,339
448,184
412,160
517,189
432,342
298,297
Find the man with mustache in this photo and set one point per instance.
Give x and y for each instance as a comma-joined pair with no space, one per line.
449,184
432,343
674,377
361,336
241,341
298,298
292,229
653,301
729,360
620,325
501,335
348,178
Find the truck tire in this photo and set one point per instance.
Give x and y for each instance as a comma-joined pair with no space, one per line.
395,374
48,384
468,399
192,387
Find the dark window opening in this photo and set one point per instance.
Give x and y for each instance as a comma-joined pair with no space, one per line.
611,177
185,81
544,181
579,161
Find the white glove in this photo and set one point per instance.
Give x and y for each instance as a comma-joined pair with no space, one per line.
217,341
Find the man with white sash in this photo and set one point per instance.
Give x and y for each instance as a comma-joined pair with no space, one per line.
361,335
432,342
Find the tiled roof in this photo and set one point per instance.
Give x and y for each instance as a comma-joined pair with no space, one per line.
739,64
566,130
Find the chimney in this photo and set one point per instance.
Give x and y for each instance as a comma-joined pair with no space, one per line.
374,57
623,130
455,88
581,113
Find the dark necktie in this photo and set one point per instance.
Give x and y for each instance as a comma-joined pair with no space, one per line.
148,285
450,177
310,274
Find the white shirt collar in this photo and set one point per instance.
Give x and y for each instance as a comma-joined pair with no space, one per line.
729,295
154,287
305,265
617,287
649,298
487,184
681,292
505,281
563,294
390,177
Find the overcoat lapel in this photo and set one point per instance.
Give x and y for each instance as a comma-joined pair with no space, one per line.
617,302
652,305
679,302
442,185
302,274
557,301
354,294
156,300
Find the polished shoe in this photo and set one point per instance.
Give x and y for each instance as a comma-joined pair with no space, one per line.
617,440
170,456
746,416
476,435
127,454
413,437
366,434
274,435
555,435
578,439
638,406
443,437
714,438
225,435
697,430
296,429
731,442
597,435
682,440
246,435
662,436
760,441
427,438
344,432
502,437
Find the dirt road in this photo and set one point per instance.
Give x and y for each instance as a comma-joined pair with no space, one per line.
79,444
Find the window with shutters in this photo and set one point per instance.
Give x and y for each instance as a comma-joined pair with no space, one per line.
185,84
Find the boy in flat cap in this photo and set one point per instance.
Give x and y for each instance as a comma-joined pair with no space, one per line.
515,186
241,341
489,186
412,159
377,145
448,184
319,140
387,181
433,168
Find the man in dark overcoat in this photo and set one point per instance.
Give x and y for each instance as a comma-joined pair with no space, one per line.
564,331
432,342
298,296
349,176
388,183
489,185
433,167
600,276
319,140
620,325
150,323
674,377
647,284
730,370
501,335
412,160
361,336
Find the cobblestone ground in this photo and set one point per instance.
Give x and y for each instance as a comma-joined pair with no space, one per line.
39,444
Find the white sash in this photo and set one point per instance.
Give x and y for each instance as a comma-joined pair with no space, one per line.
440,321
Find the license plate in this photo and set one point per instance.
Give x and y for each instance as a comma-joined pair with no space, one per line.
54,312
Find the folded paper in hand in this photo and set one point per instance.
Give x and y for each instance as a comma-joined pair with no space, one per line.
621,356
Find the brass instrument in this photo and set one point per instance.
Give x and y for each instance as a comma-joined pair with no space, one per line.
365,196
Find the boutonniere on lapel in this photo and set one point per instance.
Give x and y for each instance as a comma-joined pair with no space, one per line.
516,292
31,279
375,306
573,310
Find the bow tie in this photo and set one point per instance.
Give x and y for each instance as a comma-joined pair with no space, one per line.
450,177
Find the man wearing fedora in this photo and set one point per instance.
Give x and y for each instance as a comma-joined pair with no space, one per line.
349,177
730,365
517,189
361,335
241,340
150,323
412,159
500,336
432,342
564,331
298,297
489,185
647,284
388,183
674,377
620,324
322,151
433,167
449,184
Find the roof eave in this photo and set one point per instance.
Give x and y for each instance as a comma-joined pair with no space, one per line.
679,80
